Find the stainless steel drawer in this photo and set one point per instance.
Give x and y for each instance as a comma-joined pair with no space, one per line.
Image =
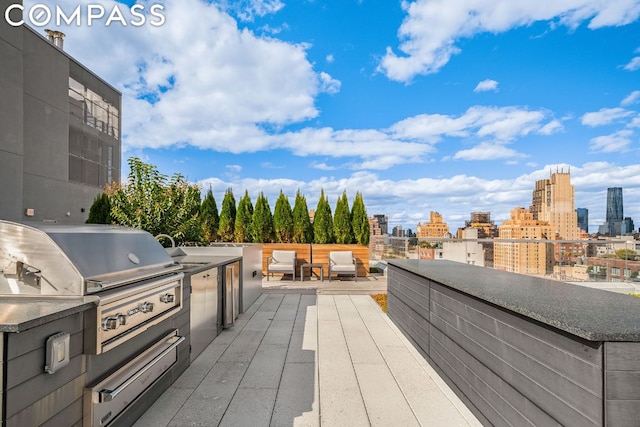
110,397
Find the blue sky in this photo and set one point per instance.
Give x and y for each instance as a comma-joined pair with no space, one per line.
447,105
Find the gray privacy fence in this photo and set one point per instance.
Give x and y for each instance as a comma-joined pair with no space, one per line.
520,350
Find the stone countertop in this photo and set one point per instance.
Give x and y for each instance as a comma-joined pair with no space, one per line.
196,263
592,314
17,314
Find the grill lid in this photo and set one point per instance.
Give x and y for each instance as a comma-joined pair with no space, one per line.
55,259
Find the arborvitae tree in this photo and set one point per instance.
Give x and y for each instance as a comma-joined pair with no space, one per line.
227,217
283,219
209,217
100,211
262,221
342,226
322,222
302,228
360,221
243,219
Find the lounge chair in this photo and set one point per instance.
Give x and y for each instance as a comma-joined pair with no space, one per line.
282,262
342,262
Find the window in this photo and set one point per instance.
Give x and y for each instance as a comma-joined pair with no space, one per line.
92,109
627,272
615,271
90,159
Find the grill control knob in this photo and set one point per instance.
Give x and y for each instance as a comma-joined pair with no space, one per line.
146,307
110,323
122,319
167,298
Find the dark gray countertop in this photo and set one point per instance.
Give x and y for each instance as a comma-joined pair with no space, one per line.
19,314
196,263
592,314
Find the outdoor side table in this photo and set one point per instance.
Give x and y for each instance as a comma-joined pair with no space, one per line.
311,266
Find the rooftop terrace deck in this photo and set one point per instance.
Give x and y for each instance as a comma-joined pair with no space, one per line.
297,358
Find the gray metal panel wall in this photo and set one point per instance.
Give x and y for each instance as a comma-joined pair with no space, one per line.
412,314
622,383
34,128
11,118
509,369
34,397
531,372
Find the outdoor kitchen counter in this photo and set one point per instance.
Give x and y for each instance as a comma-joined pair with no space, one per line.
196,263
20,314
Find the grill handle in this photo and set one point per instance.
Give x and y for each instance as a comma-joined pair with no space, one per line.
109,395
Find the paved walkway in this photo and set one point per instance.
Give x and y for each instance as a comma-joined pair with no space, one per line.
309,360
373,284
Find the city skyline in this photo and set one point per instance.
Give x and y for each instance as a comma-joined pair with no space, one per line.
453,108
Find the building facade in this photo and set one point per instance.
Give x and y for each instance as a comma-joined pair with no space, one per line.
481,221
615,212
535,257
435,228
553,202
383,223
60,133
397,231
583,219
465,251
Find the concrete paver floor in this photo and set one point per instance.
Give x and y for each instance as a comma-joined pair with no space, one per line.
308,360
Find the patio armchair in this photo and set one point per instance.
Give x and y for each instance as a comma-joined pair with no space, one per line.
282,262
343,262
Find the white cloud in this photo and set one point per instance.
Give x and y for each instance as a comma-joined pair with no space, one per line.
487,151
431,28
635,123
605,116
330,58
211,84
633,65
632,98
616,142
486,85
500,123
328,84
370,145
248,10
322,166
550,128
234,168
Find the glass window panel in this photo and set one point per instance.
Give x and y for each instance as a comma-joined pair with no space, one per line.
103,179
75,142
76,108
76,85
75,169
90,173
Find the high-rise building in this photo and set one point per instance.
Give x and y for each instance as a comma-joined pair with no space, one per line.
482,222
583,219
615,214
553,201
535,257
627,226
374,227
434,228
383,222
397,231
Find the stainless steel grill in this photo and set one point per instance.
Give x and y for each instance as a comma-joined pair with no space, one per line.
132,279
